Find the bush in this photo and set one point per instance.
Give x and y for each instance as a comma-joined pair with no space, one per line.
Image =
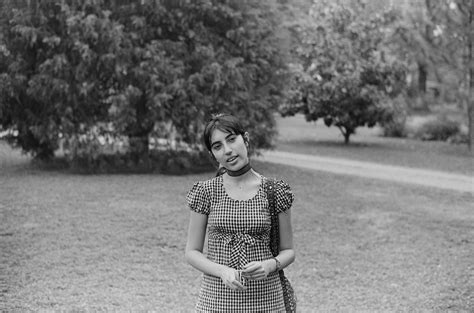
163,161
395,128
396,125
439,129
459,138
181,162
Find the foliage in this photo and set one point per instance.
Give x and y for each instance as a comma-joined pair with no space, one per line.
440,129
396,125
194,60
344,77
456,20
162,161
439,34
97,70
54,74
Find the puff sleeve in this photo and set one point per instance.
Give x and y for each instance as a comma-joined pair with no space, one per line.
198,199
284,196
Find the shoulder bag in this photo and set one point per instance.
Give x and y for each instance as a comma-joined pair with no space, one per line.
288,292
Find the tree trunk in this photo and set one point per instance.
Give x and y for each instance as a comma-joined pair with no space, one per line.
346,138
470,103
139,146
139,141
470,110
422,76
43,151
345,132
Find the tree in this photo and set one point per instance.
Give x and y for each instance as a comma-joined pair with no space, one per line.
440,34
53,74
344,76
454,21
194,60
72,70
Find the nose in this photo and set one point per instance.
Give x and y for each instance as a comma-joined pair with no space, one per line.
227,149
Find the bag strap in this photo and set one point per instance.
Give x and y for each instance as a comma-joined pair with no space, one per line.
288,293
274,230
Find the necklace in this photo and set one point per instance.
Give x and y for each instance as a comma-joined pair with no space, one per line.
240,171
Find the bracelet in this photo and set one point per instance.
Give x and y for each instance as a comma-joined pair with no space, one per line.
278,265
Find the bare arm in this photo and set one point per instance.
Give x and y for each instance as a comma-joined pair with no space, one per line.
287,253
195,257
195,246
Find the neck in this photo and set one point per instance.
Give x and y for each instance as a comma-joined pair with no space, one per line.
240,171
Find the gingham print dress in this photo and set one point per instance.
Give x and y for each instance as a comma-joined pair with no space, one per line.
238,233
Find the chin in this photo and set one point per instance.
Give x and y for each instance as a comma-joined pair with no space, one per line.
239,166
236,167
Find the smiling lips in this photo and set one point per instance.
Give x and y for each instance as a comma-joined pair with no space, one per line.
231,159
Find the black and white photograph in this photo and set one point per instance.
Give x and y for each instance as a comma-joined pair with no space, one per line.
237,156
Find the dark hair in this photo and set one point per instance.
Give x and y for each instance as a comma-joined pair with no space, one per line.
220,171
223,122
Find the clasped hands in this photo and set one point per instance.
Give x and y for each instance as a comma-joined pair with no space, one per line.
254,271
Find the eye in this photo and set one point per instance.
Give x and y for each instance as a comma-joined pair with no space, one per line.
232,139
216,147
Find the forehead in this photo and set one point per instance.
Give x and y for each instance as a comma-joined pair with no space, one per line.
219,135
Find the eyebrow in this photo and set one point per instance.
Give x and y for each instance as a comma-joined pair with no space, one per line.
229,135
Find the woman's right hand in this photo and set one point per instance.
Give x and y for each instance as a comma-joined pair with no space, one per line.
231,278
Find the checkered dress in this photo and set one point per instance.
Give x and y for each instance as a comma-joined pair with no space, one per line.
238,233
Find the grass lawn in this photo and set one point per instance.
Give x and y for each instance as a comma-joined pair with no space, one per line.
297,135
116,242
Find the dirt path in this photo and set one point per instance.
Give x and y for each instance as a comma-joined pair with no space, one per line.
423,177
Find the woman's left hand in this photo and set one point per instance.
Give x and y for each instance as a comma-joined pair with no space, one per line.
256,270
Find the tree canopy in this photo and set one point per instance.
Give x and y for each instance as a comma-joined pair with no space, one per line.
344,75
75,72
70,71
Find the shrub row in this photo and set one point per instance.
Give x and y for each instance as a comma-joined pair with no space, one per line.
159,161
439,129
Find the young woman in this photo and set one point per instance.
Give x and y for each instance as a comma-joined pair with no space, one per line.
240,272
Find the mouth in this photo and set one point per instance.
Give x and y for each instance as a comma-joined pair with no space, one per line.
232,159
